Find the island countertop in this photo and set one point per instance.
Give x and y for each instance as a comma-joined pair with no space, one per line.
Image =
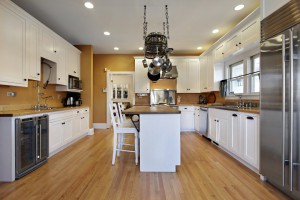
151,110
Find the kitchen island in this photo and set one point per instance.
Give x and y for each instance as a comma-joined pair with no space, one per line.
159,137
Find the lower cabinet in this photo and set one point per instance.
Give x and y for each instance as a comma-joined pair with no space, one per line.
197,119
237,132
66,127
187,118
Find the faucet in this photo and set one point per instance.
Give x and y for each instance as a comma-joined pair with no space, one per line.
46,98
240,103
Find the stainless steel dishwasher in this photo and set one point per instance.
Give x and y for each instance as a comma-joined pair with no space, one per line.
203,120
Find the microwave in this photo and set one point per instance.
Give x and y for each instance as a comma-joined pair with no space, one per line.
75,83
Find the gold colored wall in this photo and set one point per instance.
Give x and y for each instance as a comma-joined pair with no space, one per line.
87,77
112,63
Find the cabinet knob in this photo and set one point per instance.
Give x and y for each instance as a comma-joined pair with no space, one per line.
38,74
54,51
236,45
240,43
222,53
77,111
63,123
234,115
250,118
58,78
75,72
217,120
25,79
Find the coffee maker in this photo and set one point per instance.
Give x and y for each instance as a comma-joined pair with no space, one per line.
72,99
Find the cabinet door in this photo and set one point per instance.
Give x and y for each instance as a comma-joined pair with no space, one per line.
210,72
212,128
203,74
250,33
249,128
84,123
76,125
67,131
187,118
219,53
73,60
12,51
142,83
33,60
48,41
197,119
233,44
182,75
234,134
193,78
55,136
222,137
61,76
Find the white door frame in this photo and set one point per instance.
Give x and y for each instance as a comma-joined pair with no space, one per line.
108,91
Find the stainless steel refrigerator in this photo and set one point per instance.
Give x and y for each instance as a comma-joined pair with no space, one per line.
280,107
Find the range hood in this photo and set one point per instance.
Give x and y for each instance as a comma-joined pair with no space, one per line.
173,74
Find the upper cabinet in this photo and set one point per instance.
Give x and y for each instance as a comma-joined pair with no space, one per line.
48,45
141,80
188,80
73,62
13,47
33,61
219,52
24,41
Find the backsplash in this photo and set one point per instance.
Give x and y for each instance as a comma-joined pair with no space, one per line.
26,97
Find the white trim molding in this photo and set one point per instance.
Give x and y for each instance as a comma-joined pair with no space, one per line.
101,126
91,131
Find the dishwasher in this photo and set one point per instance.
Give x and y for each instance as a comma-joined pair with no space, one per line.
203,121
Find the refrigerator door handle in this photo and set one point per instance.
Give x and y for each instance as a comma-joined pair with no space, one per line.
292,108
40,140
36,142
283,110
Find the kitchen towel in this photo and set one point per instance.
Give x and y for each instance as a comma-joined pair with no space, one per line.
223,88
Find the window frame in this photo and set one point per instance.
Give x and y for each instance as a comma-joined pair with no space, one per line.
233,78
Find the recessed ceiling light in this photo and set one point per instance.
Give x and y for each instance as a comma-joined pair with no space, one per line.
215,31
199,48
89,5
116,48
239,7
106,33
141,48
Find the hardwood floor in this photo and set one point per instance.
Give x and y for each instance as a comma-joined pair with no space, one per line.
84,171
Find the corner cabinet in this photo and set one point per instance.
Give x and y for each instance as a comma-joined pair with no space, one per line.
142,83
188,80
13,49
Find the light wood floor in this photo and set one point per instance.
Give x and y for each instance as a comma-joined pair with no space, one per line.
84,171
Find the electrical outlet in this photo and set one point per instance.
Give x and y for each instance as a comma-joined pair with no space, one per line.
11,94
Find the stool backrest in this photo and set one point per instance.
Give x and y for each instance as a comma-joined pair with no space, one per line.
121,108
114,114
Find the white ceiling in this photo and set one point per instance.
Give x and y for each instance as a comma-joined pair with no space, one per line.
191,21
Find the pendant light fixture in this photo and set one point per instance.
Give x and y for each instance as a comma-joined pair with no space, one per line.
156,48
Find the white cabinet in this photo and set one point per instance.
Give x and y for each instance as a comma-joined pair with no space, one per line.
197,119
219,52
142,83
235,139
187,118
13,50
250,33
217,130
188,80
33,60
233,44
66,127
211,73
249,130
73,62
61,68
48,45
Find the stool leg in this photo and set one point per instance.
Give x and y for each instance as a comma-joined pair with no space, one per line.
120,141
136,148
114,149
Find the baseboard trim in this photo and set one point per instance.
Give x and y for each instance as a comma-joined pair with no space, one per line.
100,126
91,131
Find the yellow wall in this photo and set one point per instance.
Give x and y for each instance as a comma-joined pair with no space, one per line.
86,75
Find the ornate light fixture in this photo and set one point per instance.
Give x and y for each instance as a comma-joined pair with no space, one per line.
156,48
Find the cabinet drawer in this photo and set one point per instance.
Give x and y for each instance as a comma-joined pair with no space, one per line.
186,108
84,111
61,115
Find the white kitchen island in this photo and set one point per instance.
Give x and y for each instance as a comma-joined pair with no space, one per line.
159,137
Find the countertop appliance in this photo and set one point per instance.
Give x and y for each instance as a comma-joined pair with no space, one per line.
74,83
280,100
32,144
73,99
203,120
162,97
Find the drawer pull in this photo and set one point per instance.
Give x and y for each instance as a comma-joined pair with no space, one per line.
234,115
251,118
63,123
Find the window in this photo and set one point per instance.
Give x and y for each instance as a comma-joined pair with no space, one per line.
255,67
236,82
